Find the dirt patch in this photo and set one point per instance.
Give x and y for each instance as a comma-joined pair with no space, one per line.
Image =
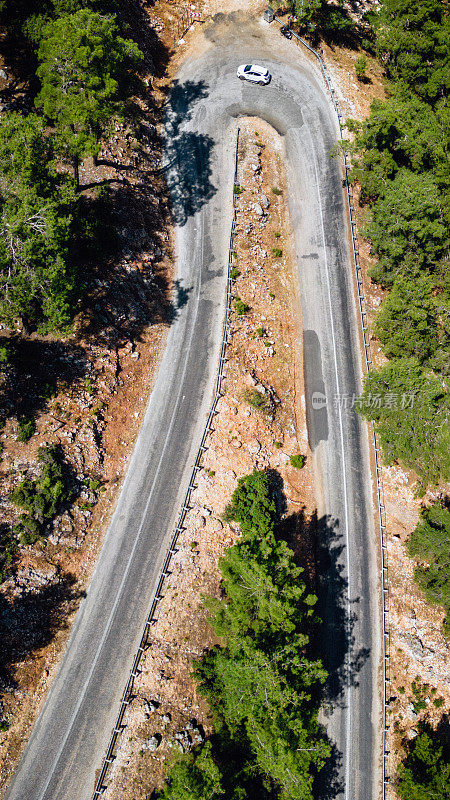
264,367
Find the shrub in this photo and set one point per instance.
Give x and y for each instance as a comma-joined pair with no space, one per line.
260,332
277,252
27,428
237,189
256,400
430,542
277,191
8,550
234,273
277,234
297,461
425,772
360,68
240,307
42,498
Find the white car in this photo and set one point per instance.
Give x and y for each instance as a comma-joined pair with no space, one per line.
254,74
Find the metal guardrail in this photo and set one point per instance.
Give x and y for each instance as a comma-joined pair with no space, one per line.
368,363
151,619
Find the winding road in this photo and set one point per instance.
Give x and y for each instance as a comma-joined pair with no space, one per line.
71,734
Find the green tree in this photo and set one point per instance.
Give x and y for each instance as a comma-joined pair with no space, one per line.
194,777
410,409
407,322
305,10
360,68
406,229
430,542
425,773
36,211
401,132
262,680
82,63
252,504
413,40
43,497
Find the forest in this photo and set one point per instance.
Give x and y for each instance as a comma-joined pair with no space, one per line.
82,69
400,161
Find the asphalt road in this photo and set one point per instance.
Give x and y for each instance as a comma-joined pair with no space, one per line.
71,734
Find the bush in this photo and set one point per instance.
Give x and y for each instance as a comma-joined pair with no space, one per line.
8,551
240,307
425,772
277,191
430,542
43,497
252,504
234,273
297,461
257,400
27,428
277,252
360,67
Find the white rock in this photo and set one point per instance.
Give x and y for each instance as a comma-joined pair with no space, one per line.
151,744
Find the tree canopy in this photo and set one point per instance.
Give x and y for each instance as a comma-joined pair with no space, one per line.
430,543
407,323
413,37
410,409
407,229
400,158
425,773
82,61
36,213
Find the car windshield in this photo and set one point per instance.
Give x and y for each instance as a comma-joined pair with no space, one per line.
248,68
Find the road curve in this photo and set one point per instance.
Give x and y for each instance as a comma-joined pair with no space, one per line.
71,734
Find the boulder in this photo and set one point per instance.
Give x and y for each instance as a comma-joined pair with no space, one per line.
153,743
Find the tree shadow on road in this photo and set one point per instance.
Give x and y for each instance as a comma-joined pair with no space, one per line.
187,162
335,643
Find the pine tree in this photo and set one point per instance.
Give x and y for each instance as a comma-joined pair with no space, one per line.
82,62
430,542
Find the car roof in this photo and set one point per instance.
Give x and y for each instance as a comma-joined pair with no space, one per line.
254,68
